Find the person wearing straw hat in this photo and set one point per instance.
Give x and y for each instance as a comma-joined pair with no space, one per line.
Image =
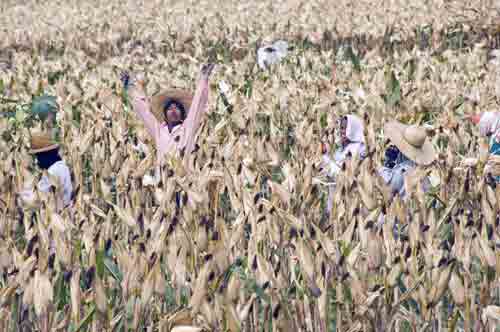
172,117
489,126
46,152
410,147
352,142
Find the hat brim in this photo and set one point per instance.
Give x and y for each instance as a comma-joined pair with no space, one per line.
423,156
45,149
158,102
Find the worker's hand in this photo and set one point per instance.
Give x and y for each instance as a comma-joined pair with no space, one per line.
133,85
206,69
323,148
125,79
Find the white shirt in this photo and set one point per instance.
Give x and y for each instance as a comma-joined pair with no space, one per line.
61,171
333,167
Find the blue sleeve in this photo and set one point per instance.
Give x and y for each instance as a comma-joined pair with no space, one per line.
494,147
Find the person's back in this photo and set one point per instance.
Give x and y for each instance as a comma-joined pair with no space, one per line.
46,152
60,170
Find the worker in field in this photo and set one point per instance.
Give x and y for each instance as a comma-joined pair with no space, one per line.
351,143
409,147
489,127
57,176
172,117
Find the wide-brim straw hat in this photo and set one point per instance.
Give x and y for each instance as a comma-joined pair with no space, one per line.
42,142
182,96
412,141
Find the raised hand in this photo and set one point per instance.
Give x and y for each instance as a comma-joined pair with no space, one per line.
323,148
206,69
125,79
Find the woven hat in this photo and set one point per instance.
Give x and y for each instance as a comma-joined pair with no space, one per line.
182,96
411,141
42,142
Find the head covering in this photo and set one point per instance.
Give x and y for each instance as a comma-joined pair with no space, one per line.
394,157
354,129
488,122
42,142
48,158
181,96
411,141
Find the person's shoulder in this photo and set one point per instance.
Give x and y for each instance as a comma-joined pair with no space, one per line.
356,147
58,168
406,167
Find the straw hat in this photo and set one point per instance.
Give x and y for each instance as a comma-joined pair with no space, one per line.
158,102
411,141
42,142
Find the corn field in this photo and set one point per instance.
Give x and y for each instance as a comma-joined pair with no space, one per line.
237,239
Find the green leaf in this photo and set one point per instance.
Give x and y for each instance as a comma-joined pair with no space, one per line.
76,115
393,89
125,100
53,77
322,120
100,263
61,292
20,116
350,55
113,269
411,68
86,320
2,86
129,307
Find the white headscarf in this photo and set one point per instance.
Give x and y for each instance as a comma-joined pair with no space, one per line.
355,134
489,123
354,130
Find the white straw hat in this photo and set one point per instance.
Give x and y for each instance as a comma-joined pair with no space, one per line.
412,141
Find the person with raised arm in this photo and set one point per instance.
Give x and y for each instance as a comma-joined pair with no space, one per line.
172,117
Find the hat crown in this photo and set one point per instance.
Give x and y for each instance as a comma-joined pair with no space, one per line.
182,96
415,136
42,141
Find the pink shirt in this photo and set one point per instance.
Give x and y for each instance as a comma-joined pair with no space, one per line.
181,136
